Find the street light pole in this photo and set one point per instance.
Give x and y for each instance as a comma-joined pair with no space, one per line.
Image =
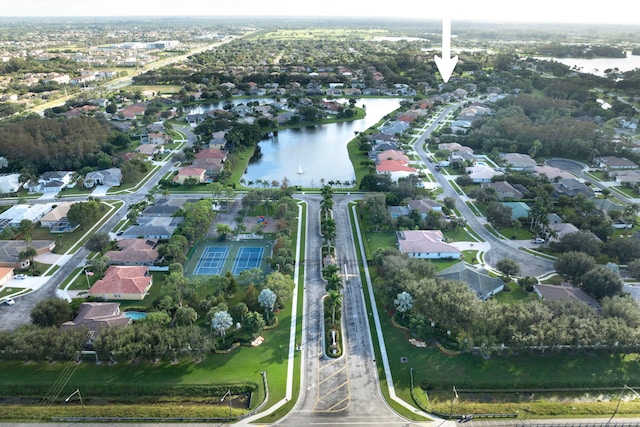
84,413
228,393
624,388
454,395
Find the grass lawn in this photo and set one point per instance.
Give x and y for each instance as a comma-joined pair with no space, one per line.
374,241
513,295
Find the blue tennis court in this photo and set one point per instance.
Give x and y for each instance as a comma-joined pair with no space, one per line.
211,260
248,258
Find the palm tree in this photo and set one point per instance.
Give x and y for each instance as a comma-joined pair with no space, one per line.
335,301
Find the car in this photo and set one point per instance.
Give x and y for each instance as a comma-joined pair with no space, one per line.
20,276
9,301
537,240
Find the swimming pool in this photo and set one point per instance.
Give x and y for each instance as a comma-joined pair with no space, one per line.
135,315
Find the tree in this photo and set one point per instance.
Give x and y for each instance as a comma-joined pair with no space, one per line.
220,322
403,303
98,242
186,316
253,323
281,285
29,253
508,267
267,300
222,230
581,241
601,282
335,301
239,311
634,268
498,214
84,214
574,264
51,312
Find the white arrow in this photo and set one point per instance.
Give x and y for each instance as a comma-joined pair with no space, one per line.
446,64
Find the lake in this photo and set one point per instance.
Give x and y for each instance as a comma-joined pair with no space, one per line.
597,66
319,152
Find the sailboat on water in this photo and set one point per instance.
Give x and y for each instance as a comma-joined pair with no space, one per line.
300,171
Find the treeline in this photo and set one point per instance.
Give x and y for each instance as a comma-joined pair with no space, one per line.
520,121
449,311
565,50
41,145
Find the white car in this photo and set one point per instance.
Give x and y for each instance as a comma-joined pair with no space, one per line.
20,276
537,240
9,301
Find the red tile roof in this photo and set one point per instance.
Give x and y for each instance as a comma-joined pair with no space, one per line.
123,280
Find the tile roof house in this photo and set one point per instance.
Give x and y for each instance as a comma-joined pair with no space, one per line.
97,315
426,244
55,215
111,177
9,250
479,282
123,283
6,274
518,209
212,153
157,227
571,188
424,206
518,161
564,292
211,166
134,252
551,172
190,172
504,190
480,174
612,162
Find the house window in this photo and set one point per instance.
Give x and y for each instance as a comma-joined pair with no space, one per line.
117,295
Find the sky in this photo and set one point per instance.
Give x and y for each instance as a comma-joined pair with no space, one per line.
555,11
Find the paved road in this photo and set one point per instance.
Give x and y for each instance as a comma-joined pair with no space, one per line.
499,248
343,391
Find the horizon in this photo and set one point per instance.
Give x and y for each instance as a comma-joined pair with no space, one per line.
491,11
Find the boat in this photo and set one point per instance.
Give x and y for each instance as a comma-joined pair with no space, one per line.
300,171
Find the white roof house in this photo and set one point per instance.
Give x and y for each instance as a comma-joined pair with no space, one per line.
10,183
33,213
426,244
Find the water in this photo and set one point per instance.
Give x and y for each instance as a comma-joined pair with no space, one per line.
135,315
597,66
320,152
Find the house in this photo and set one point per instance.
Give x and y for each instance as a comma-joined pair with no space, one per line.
134,252
454,146
552,173
6,274
481,173
519,162
571,187
16,213
52,182
10,250
123,283
212,153
614,163
564,292
212,167
56,214
629,178
518,209
393,155
153,227
478,281
165,207
190,172
395,128
10,183
504,190
111,177
158,138
424,206
395,168
426,244
97,315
